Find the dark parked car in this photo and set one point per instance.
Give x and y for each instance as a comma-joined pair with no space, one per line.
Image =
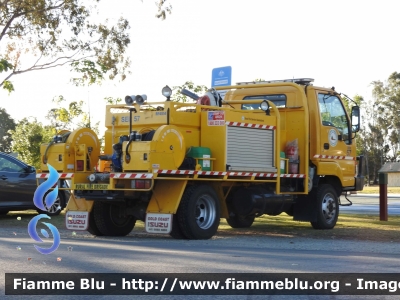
17,186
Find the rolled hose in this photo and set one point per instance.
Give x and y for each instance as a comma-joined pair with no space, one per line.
64,138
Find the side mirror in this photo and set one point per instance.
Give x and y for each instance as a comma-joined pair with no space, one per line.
355,119
30,169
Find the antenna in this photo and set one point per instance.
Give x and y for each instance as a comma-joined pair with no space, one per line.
89,106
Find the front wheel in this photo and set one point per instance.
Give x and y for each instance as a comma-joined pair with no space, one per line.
327,207
57,206
198,214
111,220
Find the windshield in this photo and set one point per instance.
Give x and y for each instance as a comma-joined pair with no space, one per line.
333,114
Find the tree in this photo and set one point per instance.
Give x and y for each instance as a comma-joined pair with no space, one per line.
27,137
43,34
113,101
386,117
4,67
189,85
381,128
163,9
69,116
29,134
6,123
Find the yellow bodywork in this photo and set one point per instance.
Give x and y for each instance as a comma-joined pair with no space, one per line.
79,204
166,151
180,126
165,195
81,144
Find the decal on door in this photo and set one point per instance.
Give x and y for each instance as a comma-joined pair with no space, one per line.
332,137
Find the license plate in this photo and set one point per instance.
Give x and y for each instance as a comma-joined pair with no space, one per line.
77,220
91,186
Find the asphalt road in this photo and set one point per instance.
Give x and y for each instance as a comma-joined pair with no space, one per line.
369,204
142,253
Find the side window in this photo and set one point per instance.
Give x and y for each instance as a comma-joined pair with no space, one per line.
9,166
278,100
333,114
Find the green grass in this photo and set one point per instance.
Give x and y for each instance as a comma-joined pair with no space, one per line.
375,190
348,227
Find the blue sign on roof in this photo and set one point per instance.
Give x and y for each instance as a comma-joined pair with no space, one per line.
221,76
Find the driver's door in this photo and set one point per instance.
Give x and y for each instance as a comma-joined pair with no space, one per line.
335,135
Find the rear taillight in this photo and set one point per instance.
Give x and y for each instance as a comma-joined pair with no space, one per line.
79,165
141,184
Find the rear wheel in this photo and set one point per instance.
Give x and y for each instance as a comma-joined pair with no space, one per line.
199,213
290,211
240,222
176,231
111,220
327,207
92,228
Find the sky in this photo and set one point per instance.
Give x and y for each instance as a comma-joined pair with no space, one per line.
346,44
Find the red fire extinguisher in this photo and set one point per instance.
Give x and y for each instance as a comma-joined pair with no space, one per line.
292,153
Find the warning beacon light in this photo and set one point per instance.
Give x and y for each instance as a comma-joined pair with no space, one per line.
167,92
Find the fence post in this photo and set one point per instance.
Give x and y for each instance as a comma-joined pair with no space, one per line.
383,202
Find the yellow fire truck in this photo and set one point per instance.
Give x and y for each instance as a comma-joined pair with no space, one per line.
268,147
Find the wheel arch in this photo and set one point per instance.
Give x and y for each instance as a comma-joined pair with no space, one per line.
329,172
222,197
334,181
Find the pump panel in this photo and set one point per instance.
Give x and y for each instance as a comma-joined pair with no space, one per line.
260,145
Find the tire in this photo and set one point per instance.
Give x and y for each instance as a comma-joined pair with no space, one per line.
109,220
57,206
327,207
3,212
240,222
92,228
176,231
199,212
290,211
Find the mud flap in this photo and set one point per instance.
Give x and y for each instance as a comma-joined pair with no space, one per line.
167,195
83,208
79,204
222,199
305,209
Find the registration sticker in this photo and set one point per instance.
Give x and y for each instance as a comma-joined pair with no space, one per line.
216,118
158,223
77,220
91,186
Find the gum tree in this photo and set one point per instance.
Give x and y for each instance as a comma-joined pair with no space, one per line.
188,85
27,137
44,34
380,132
6,123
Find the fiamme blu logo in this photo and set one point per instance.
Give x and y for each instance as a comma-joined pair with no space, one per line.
44,204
